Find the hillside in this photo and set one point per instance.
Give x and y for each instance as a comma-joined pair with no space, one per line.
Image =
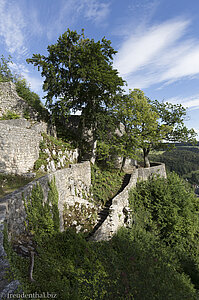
184,160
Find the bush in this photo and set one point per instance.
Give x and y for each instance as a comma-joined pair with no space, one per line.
168,207
31,98
43,217
133,265
9,115
105,183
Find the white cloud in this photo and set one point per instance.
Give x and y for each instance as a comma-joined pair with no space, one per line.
197,131
158,54
35,83
96,11
71,11
12,28
191,102
22,70
139,50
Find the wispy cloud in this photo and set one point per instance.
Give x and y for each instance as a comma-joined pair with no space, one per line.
71,11
21,70
191,102
161,53
12,27
95,10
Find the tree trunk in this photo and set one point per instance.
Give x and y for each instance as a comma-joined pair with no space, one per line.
94,151
123,163
146,158
31,266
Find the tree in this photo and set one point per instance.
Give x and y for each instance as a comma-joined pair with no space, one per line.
79,76
148,124
174,115
5,72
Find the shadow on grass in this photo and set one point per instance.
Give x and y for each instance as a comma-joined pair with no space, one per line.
133,265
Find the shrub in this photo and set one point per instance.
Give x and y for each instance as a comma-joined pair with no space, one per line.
105,183
23,90
9,115
167,206
43,217
168,209
133,265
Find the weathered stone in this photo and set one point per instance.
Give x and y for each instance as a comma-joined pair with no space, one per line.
10,288
119,210
10,101
20,148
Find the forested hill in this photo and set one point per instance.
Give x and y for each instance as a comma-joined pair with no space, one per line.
183,159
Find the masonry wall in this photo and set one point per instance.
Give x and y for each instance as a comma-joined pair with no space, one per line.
19,148
120,211
73,186
10,101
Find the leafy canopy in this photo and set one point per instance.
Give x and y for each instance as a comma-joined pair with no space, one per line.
79,74
141,123
174,116
147,124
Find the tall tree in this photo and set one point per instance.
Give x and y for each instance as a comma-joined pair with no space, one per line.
79,76
174,116
5,72
149,123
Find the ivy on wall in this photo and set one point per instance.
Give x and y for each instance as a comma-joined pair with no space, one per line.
43,217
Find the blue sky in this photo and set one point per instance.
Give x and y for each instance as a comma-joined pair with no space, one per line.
157,41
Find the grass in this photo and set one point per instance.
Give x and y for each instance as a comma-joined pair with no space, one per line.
133,265
105,183
10,183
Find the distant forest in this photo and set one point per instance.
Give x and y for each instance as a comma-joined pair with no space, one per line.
183,159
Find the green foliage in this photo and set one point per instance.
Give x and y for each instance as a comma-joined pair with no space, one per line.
157,258
140,120
79,74
53,197
192,177
15,262
23,90
43,217
182,160
147,123
31,98
5,72
168,207
52,142
105,183
133,265
174,115
10,183
53,145
9,115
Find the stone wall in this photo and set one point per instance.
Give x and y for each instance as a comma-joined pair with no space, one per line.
19,148
73,185
10,101
120,211
38,127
